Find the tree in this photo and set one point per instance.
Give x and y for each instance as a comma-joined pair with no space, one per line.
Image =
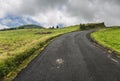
53,27
57,26
82,26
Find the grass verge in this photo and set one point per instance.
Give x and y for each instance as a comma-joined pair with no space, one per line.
109,38
24,64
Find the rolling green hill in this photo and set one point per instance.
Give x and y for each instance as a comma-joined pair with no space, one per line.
30,26
18,45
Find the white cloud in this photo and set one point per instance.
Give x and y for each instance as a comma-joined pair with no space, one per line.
3,26
49,19
6,21
67,12
8,6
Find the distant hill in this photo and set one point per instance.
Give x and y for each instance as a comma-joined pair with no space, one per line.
30,26
15,21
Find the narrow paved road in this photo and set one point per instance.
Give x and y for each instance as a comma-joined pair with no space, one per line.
71,57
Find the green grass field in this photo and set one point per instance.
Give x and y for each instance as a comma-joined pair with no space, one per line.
109,37
17,45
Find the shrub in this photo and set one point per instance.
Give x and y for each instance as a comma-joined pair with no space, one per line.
92,26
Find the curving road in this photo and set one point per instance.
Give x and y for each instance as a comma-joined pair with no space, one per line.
71,57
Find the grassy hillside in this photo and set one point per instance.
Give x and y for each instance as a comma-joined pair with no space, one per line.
17,45
109,37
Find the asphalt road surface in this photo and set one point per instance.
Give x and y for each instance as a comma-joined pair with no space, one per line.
71,57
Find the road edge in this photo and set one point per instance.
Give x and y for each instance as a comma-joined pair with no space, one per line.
112,54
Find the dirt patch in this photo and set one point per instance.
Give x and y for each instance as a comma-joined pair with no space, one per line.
1,52
43,32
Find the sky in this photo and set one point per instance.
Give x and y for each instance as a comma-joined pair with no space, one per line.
58,12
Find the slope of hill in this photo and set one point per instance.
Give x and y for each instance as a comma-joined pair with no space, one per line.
18,45
23,42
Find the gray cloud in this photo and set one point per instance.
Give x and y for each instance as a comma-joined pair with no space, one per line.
82,9
32,7
96,10
52,12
